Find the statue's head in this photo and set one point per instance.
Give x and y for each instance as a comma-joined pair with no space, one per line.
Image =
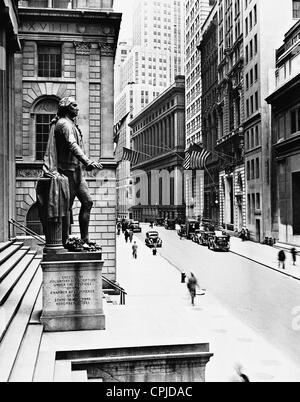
67,107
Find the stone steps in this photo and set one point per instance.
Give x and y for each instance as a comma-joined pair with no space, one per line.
63,371
11,262
9,251
79,376
4,245
25,363
15,298
44,369
7,285
20,304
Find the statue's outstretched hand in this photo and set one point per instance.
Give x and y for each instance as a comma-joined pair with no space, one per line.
94,165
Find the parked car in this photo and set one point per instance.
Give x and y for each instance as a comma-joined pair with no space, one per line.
182,231
170,224
219,242
191,226
153,239
196,236
204,237
159,222
135,227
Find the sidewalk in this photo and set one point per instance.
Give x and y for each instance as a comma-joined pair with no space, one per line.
161,309
158,311
265,255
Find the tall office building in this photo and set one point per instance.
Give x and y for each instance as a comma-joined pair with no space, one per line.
265,23
230,114
150,68
285,171
196,12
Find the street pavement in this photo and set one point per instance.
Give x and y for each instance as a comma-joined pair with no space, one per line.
265,255
160,311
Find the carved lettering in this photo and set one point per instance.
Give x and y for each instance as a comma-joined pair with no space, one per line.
73,291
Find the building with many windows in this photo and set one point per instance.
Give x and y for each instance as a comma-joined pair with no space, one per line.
150,67
230,112
196,12
67,51
9,44
285,167
260,41
158,136
209,76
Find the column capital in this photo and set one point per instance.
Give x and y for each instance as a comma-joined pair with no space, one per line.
82,48
107,49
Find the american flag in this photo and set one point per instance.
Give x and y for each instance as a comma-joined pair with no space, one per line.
118,126
196,157
130,155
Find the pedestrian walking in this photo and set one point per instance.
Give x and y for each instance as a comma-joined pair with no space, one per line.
119,228
281,259
294,255
191,285
126,235
134,250
243,234
130,235
154,250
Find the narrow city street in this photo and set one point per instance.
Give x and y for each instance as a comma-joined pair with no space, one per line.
261,298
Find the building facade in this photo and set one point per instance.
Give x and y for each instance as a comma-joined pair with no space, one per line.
260,42
9,44
196,12
285,167
230,112
158,135
68,52
209,76
150,67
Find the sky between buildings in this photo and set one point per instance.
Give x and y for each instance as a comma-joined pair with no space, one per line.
126,7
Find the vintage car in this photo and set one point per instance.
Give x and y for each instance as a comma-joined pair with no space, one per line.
191,226
153,239
196,236
135,227
159,222
182,231
204,237
170,224
219,242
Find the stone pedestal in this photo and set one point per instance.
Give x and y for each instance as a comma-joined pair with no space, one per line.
72,292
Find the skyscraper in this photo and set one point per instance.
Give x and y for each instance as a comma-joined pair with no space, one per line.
150,68
196,12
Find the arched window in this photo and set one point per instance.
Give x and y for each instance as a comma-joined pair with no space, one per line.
33,220
43,113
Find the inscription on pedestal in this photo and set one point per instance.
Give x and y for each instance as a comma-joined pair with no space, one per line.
72,291
72,294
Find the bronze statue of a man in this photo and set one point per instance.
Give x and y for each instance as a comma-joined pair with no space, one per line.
70,161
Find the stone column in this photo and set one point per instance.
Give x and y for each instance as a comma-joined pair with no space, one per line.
82,91
173,137
3,135
107,99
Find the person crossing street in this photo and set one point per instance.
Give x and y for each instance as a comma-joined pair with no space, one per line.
134,250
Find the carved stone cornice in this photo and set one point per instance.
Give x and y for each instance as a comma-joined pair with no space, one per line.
107,49
82,48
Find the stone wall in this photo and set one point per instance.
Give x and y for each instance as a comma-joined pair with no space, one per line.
85,76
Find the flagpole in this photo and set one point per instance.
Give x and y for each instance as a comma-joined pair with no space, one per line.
166,148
